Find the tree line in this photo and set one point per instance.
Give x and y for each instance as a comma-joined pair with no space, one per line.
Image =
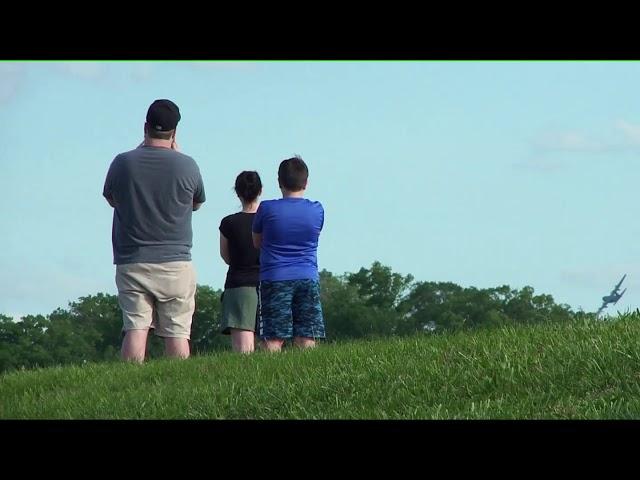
373,302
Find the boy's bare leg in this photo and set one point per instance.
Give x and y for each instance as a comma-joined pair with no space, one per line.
242,340
272,344
134,345
176,347
304,342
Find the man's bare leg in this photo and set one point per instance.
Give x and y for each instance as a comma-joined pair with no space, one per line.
176,347
134,345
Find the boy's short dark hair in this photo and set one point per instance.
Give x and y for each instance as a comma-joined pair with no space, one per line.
293,174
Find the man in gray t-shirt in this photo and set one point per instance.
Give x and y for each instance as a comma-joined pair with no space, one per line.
154,189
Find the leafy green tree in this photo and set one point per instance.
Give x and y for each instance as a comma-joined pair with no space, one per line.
99,318
379,286
67,341
374,301
349,314
205,329
32,333
426,304
22,342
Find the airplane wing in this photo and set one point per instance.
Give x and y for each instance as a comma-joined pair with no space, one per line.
617,287
620,296
604,305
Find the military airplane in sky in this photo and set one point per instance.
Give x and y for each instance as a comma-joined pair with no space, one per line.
613,297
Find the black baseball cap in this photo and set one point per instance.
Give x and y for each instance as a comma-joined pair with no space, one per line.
163,115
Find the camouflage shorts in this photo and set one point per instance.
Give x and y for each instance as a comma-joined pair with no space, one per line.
290,308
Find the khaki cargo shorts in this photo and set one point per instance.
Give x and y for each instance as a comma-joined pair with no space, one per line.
157,295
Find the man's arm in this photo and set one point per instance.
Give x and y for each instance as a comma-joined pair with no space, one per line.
107,190
199,196
224,249
257,239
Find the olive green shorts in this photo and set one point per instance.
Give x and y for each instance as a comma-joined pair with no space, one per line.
239,309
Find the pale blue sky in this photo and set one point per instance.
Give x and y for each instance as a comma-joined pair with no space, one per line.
479,173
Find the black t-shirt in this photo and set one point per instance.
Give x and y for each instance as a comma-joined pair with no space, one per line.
244,270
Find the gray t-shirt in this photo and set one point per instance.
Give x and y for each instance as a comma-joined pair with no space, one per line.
154,190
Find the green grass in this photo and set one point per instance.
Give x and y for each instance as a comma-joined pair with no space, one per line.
577,371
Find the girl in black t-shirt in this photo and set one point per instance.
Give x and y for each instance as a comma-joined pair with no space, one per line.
240,297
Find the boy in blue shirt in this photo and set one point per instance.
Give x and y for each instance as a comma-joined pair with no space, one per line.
286,231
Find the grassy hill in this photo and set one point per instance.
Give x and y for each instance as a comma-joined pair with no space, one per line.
586,370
